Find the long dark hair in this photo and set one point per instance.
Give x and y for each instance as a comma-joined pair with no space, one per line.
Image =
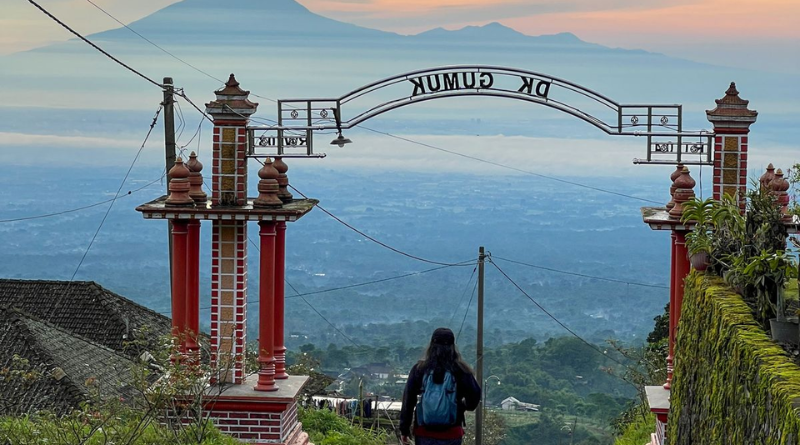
443,355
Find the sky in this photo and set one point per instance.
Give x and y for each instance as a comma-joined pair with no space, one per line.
740,33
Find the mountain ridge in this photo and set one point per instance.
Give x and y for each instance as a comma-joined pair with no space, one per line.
287,19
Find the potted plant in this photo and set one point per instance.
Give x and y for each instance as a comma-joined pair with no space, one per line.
767,273
700,241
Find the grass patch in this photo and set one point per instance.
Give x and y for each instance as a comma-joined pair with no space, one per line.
638,432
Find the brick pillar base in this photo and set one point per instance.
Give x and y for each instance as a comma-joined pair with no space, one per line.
256,418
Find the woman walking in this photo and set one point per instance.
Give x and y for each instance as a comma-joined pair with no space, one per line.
447,388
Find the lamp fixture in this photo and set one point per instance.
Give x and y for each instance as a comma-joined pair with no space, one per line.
340,140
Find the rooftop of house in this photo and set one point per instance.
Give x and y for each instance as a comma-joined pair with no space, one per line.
83,308
62,369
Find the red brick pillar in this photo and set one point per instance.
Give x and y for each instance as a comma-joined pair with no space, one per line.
179,197
280,273
672,316
280,288
179,285
682,269
193,276
732,120
683,187
230,111
266,309
193,287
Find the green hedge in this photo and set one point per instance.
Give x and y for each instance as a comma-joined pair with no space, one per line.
732,383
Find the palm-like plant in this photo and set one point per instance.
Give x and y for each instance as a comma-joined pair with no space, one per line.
699,241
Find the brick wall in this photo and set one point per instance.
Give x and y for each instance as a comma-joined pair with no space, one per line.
730,165
253,427
229,298
229,170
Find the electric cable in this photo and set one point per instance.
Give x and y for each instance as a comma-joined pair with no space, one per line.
210,76
364,127
77,209
497,164
105,53
116,195
467,311
374,240
383,280
155,44
574,334
329,322
576,274
351,286
463,295
182,93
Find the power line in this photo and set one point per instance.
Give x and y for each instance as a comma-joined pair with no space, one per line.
463,295
182,93
497,164
467,311
351,286
205,73
116,195
77,209
329,322
374,240
383,280
595,348
155,44
576,274
552,178
105,53
210,76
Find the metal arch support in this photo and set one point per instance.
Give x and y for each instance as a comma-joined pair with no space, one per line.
660,124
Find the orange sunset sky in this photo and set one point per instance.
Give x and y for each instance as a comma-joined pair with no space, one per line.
765,33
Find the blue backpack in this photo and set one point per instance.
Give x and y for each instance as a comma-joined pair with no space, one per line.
437,406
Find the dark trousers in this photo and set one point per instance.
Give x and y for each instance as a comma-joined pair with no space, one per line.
432,441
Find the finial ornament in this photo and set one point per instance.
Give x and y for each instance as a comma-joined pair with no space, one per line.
684,191
283,180
767,177
268,187
179,185
196,180
779,187
673,177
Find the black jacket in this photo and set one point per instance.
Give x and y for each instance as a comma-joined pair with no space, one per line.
468,395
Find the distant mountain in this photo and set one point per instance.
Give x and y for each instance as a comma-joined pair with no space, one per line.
252,21
497,31
286,22
279,48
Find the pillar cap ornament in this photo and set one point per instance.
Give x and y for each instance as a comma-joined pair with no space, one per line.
684,191
779,187
767,177
179,185
731,111
674,176
283,180
268,187
232,103
196,179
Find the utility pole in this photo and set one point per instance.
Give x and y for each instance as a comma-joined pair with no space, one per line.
479,347
169,149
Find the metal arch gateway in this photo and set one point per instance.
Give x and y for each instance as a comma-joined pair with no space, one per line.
660,124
